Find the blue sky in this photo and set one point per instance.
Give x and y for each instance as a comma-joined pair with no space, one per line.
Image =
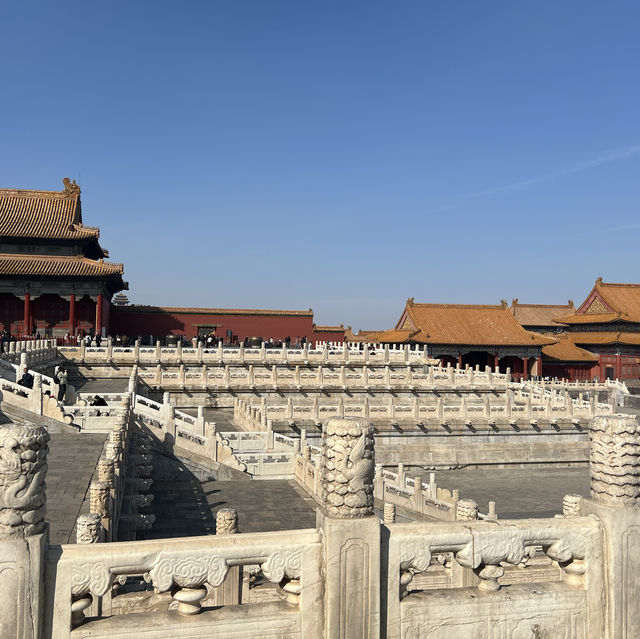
336,155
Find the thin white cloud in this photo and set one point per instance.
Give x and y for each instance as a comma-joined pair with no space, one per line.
608,157
626,227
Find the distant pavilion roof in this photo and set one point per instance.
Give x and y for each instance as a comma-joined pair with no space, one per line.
607,303
470,324
565,350
605,338
541,315
328,329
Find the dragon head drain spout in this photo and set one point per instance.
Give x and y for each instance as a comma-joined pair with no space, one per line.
348,457
23,467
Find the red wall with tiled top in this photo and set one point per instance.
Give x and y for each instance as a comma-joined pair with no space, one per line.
159,324
328,336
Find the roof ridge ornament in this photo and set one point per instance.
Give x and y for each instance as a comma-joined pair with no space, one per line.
71,189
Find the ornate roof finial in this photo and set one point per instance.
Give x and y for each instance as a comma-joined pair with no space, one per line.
504,303
599,280
71,188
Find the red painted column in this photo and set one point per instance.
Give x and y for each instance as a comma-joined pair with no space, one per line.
618,365
72,314
525,368
496,363
459,360
27,314
99,315
539,365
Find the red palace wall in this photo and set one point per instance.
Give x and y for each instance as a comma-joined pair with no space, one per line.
328,336
570,372
130,322
11,313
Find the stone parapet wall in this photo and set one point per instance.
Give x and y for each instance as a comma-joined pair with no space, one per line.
352,576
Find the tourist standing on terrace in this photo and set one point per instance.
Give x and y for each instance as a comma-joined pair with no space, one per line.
62,383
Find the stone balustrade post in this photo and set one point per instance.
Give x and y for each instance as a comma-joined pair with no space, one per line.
466,510
169,418
269,435
433,486
296,376
200,421
226,376
89,529
179,352
100,504
211,446
136,351
351,531
24,363
389,514
250,377
23,534
230,592
204,374
615,500
417,497
35,396
181,376
386,353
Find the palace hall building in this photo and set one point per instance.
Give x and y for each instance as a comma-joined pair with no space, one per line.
607,324
53,275
467,334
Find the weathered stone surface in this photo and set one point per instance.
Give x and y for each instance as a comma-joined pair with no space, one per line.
88,529
23,466
615,460
348,456
226,521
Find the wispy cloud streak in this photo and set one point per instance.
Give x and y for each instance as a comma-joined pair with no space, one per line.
609,157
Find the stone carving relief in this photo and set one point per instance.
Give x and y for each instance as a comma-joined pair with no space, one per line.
88,529
615,460
281,564
140,502
226,521
466,510
187,572
91,578
99,498
572,505
347,480
23,466
142,484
